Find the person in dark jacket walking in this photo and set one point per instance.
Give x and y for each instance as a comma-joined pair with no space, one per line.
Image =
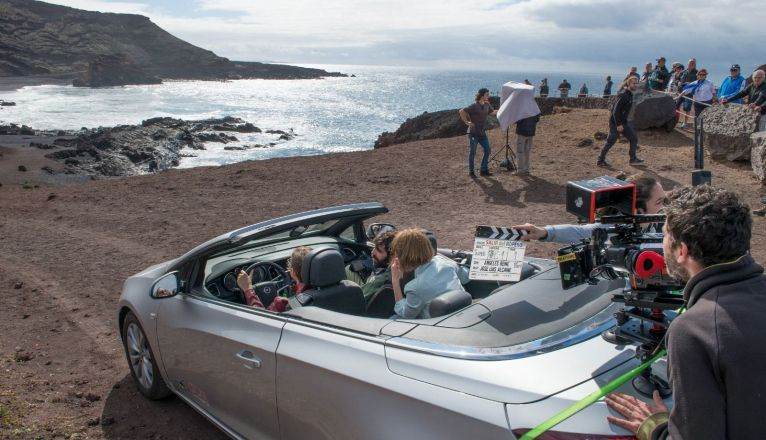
618,123
716,356
525,132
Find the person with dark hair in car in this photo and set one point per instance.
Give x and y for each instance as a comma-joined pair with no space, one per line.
381,261
716,356
279,304
429,276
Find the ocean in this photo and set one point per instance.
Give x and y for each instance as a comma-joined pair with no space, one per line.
327,115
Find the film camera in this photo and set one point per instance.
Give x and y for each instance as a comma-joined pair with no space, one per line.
621,248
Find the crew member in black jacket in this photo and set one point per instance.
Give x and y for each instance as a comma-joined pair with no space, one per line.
716,355
618,123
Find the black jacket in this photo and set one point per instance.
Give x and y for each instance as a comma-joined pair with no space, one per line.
527,126
717,356
622,107
755,95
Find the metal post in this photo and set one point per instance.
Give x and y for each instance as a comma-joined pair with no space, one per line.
700,175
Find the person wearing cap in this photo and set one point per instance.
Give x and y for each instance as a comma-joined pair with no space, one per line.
475,117
658,79
732,85
675,77
702,91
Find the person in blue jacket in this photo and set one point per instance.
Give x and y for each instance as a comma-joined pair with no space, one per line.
732,85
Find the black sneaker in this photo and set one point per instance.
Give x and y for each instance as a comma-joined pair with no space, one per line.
485,173
636,160
603,164
472,174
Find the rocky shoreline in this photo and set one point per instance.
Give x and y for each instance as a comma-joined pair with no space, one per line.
128,150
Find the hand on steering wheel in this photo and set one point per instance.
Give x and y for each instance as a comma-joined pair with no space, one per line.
267,290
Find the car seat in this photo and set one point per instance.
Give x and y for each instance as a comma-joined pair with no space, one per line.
324,271
449,302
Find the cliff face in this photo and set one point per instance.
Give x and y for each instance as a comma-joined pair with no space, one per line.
40,38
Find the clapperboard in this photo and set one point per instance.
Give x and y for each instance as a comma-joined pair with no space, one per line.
498,255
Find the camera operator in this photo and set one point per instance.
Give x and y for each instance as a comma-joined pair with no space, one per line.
649,199
716,354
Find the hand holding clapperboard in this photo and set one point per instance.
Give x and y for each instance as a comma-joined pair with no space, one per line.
498,254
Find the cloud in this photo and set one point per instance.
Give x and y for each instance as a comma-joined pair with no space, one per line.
556,34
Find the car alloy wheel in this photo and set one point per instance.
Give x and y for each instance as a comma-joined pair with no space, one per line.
140,358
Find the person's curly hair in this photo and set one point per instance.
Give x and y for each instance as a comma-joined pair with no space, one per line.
714,223
384,241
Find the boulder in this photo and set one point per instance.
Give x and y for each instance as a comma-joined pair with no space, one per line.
652,109
727,131
758,155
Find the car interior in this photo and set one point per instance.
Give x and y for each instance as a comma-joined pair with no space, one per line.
325,270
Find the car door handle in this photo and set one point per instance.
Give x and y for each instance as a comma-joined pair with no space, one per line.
251,360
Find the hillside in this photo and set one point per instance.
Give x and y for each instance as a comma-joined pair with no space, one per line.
38,38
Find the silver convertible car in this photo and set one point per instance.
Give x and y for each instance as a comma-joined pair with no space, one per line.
334,366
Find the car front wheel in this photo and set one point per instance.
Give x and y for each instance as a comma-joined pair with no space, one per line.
141,361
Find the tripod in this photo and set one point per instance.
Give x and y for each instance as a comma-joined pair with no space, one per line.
510,157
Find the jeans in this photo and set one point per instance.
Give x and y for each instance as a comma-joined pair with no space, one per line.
482,139
629,133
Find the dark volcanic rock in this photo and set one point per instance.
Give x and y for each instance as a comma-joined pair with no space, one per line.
727,131
126,150
114,70
652,109
447,123
41,38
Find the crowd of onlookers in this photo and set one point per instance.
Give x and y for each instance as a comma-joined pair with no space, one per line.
690,87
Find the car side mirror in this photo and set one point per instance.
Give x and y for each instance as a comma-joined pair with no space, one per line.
375,229
166,286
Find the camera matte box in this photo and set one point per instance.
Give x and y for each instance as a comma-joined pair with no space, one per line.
584,197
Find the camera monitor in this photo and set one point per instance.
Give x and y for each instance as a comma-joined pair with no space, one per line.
585,197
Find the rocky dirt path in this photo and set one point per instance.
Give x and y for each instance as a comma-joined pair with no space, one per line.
71,247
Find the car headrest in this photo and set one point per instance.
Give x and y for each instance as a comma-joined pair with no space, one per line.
449,302
323,267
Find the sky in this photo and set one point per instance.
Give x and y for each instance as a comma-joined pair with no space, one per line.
588,36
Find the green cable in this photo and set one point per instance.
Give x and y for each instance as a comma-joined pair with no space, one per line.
589,399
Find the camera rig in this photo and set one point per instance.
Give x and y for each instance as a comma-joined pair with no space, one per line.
621,248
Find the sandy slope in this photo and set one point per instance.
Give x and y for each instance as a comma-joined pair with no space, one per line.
72,246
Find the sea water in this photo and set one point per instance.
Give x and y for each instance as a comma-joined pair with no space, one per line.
327,115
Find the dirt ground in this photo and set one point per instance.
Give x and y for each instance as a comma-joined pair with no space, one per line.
65,249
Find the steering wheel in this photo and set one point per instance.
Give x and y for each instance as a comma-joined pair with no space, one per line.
268,290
